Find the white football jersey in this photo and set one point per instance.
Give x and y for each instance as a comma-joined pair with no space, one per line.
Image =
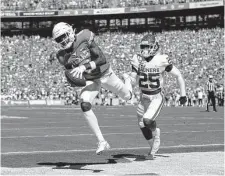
151,74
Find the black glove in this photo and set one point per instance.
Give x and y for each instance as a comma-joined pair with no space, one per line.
183,100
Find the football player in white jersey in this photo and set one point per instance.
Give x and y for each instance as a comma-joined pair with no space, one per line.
148,69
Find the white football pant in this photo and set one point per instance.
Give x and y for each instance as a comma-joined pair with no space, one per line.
149,107
109,82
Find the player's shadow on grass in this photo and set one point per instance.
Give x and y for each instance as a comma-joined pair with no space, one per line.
129,157
133,157
77,166
114,159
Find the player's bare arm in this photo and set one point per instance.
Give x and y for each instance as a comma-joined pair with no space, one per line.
131,78
60,57
97,53
97,59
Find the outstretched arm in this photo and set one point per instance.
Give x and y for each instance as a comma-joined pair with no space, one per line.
130,80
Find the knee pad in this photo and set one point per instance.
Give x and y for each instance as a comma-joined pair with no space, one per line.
85,106
147,133
149,123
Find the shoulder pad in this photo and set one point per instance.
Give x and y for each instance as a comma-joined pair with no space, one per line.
165,59
162,56
86,35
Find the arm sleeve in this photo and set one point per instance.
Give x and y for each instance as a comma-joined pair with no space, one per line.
60,56
134,63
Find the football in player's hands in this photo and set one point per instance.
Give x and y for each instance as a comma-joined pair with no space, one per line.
72,62
74,81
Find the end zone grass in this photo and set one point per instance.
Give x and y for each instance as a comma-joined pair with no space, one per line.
57,141
203,163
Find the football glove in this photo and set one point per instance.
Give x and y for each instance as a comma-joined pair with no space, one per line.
78,71
183,100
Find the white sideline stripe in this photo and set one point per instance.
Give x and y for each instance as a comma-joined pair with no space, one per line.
12,129
106,134
113,149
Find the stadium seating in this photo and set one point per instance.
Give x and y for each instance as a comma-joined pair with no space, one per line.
27,71
80,4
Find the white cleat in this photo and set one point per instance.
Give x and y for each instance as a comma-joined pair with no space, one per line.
155,143
102,146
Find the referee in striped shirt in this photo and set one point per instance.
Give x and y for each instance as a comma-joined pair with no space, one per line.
211,89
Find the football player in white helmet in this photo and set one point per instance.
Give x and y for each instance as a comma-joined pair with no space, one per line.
148,69
63,34
80,54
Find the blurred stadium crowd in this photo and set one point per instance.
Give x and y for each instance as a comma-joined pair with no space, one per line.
28,72
81,4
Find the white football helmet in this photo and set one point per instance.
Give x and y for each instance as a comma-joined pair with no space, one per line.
63,34
149,46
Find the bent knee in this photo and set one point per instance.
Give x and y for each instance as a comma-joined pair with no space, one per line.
149,123
85,106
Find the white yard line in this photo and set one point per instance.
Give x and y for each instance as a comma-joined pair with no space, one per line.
113,149
106,134
119,117
123,118
106,126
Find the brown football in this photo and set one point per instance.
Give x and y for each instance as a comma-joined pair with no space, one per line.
75,82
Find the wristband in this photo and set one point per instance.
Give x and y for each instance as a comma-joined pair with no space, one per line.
93,65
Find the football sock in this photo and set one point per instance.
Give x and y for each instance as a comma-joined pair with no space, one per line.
93,123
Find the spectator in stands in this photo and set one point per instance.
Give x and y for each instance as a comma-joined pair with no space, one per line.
40,5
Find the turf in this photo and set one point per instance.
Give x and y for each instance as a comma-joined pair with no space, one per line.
59,136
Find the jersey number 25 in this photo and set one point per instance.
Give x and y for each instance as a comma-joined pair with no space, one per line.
153,82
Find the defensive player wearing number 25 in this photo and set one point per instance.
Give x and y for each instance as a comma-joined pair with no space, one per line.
148,69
